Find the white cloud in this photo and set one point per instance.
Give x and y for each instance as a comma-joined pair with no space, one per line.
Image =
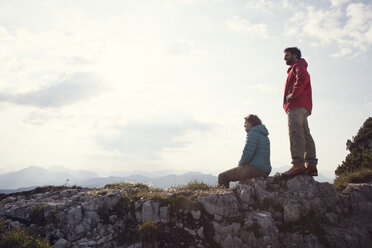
194,65
337,3
187,47
37,118
265,88
350,27
74,88
146,140
268,6
30,60
342,52
242,25
295,23
186,1
323,24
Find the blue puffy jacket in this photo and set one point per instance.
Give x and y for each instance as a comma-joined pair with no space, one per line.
257,148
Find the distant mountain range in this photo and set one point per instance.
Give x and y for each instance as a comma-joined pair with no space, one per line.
34,176
38,176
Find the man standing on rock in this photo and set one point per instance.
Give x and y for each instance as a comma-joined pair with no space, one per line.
297,103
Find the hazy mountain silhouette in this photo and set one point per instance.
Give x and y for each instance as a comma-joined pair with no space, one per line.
76,173
34,176
149,174
159,182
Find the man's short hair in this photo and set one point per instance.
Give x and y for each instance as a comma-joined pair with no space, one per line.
253,119
294,50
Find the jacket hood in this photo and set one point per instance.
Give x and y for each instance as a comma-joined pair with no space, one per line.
302,62
261,129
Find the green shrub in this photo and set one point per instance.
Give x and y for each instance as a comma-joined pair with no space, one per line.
358,163
20,238
360,150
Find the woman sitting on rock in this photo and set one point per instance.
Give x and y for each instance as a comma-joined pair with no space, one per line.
255,161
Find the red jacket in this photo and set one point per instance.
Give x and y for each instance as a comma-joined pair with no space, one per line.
298,84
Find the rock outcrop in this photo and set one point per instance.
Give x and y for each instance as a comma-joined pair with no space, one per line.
297,212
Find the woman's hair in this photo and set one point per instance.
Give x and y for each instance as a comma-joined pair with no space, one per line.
253,119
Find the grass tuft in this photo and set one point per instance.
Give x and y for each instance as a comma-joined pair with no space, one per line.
148,232
21,238
37,214
359,176
195,185
176,197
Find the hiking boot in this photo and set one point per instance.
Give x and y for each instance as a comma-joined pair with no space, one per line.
295,171
312,171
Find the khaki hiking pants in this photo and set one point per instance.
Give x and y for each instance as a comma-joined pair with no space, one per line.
301,142
240,173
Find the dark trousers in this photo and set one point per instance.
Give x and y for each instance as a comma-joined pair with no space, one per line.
240,173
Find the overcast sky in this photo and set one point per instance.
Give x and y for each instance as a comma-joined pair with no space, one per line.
165,84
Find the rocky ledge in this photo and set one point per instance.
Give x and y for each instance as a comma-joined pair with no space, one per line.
296,212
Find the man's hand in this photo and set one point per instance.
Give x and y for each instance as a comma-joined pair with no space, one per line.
289,96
